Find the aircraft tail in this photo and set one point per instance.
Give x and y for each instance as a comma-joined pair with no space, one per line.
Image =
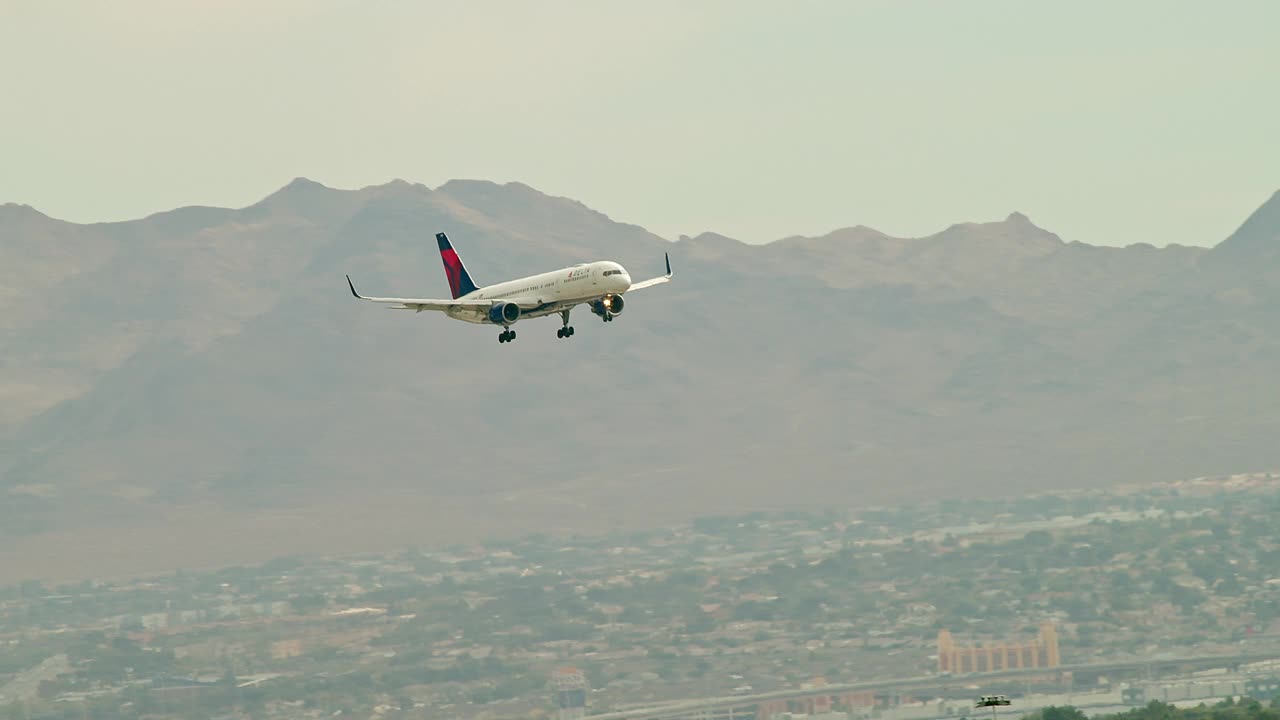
459,279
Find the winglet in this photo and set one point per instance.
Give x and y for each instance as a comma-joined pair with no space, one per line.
668,257
353,288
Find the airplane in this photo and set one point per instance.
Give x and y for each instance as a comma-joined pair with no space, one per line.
599,285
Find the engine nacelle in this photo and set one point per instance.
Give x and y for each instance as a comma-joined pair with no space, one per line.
608,305
504,314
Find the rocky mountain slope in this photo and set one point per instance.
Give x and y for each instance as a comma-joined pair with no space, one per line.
199,387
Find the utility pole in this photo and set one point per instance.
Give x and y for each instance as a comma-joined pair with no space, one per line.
993,702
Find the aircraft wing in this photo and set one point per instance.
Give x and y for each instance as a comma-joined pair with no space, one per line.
653,281
420,304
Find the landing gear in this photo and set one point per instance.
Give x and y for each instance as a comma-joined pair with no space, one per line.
607,317
567,330
506,335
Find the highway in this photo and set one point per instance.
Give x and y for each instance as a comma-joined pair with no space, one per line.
682,708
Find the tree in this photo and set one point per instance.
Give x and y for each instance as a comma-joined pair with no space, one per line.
1038,538
699,622
1062,712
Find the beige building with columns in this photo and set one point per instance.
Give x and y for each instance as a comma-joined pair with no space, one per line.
1042,652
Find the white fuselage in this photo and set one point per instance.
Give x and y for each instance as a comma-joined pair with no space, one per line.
551,292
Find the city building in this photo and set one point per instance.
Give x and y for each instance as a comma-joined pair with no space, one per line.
1041,652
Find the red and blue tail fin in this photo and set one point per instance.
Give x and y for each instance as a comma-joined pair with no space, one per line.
459,279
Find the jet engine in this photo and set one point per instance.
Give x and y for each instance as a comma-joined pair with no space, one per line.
608,305
504,314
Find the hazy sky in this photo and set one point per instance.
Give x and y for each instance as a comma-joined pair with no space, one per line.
1107,122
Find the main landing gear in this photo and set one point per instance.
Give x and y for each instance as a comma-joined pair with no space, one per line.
567,330
506,335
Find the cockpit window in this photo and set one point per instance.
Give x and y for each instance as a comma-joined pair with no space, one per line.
607,273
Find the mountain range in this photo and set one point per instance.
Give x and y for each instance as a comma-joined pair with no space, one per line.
199,388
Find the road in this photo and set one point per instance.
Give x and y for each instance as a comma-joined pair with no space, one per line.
678,709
